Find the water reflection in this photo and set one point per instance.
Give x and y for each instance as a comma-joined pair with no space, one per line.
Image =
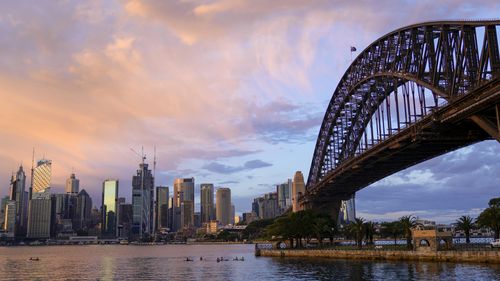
168,263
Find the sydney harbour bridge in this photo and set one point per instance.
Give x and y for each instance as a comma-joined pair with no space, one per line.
413,94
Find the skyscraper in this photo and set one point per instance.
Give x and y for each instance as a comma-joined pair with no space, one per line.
143,202
298,189
109,208
161,207
284,191
83,210
17,186
39,219
72,185
223,207
10,218
207,202
41,175
183,203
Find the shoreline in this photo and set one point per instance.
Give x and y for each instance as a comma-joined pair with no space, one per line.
439,256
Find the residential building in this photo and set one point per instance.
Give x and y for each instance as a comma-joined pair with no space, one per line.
207,202
223,206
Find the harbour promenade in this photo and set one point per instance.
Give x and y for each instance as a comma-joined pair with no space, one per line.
478,256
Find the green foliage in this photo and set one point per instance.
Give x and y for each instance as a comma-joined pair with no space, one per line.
227,236
302,225
392,229
466,223
490,217
256,229
357,230
369,229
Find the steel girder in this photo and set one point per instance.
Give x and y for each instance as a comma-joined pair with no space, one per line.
443,57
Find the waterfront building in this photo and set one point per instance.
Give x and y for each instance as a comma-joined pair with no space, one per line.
83,210
143,202
41,176
109,208
183,203
72,185
284,192
211,227
223,206
298,189
207,202
162,197
40,215
17,194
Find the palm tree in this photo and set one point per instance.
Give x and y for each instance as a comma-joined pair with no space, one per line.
392,229
407,223
369,232
357,230
465,223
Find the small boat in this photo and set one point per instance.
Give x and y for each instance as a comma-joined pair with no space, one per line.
188,259
218,260
235,259
34,259
242,259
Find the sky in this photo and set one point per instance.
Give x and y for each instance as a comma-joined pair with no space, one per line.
230,92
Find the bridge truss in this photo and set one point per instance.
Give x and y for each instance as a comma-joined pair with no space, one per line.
403,79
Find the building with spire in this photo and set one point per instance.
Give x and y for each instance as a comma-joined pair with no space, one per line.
17,194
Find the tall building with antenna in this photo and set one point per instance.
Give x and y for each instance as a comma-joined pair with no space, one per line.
143,202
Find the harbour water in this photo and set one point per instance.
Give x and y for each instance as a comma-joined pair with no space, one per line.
168,262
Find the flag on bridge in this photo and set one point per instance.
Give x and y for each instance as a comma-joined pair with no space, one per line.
353,49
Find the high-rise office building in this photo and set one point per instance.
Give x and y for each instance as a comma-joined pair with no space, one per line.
284,191
17,194
109,208
207,202
347,212
183,203
223,205
41,176
72,185
10,218
162,197
40,215
83,210
3,203
298,189
266,207
143,202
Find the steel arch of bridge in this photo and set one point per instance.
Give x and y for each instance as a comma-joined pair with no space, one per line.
441,57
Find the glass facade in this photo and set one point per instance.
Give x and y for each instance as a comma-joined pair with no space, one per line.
109,207
41,175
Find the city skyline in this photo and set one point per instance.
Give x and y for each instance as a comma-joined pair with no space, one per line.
235,110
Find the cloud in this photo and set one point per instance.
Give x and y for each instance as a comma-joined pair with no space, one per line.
225,169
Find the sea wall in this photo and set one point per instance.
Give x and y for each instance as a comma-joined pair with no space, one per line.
441,256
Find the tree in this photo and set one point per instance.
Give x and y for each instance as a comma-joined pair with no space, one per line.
369,232
323,226
392,229
282,226
465,223
490,217
357,229
256,229
407,223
